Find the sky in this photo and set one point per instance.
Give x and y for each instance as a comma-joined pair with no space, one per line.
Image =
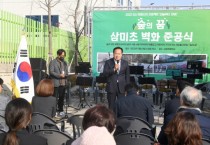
174,2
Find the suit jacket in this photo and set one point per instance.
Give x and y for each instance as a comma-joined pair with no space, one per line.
45,105
202,120
26,138
55,71
171,106
123,76
133,105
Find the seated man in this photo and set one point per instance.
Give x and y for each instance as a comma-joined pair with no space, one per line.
172,106
190,100
134,105
4,99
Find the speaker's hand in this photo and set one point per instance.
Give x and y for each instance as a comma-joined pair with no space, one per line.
62,75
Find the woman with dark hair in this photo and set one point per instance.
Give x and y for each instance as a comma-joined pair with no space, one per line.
184,129
45,102
18,115
98,124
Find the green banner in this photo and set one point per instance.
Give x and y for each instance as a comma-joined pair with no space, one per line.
167,34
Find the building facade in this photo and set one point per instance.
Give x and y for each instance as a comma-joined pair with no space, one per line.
63,13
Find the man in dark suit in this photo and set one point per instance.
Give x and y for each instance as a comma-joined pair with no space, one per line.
118,75
190,100
134,105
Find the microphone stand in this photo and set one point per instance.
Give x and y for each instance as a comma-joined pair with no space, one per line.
148,69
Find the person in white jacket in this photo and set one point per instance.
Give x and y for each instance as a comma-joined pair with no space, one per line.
98,125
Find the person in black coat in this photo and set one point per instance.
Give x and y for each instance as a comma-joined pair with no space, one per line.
18,115
117,72
134,105
172,106
190,100
44,101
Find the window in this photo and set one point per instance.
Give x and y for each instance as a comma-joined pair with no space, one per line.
54,20
129,4
120,2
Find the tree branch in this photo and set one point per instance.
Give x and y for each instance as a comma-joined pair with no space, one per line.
55,3
40,3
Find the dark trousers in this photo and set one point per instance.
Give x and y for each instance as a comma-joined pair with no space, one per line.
112,96
59,93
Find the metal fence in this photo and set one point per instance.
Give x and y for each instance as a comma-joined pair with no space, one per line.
13,26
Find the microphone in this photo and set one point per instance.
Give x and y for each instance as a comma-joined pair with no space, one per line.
148,66
148,69
117,71
155,56
109,54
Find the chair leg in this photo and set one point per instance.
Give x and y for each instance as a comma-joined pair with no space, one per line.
161,99
161,96
202,103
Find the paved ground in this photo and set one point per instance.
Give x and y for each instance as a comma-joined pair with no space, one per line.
73,108
74,101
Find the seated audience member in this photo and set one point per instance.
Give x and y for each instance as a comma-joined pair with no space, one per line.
98,124
44,102
18,115
184,129
3,99
171,106
134,105
190,100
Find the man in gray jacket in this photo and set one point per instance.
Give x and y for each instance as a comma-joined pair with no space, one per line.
4,100
58,71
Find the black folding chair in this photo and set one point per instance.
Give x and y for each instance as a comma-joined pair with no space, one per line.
147,86
54,137
205,141
2,131
40,121
206,93
100,88
76,122
134,139
132,124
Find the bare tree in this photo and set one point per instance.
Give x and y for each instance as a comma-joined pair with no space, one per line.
78,15
47,5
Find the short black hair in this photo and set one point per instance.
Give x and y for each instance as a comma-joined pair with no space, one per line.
131,87
1,81
60,51
117,48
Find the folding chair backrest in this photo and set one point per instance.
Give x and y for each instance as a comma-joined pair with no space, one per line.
76,122
41,121
205,141
131,124
206,89
2,131
163,87
146,80
134,139
172,84
54,137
